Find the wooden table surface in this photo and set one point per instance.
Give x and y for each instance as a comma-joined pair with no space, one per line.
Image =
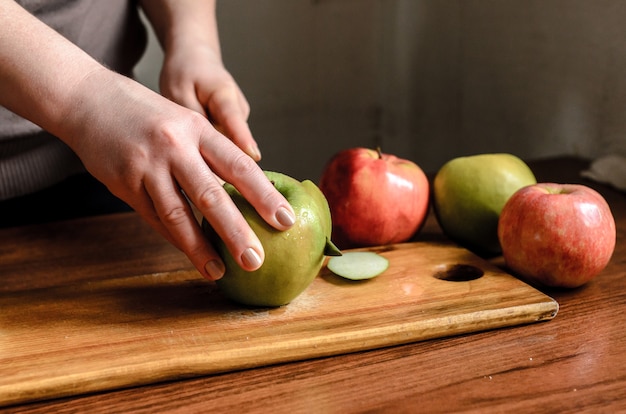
574,363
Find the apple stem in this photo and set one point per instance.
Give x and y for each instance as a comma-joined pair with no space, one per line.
380,153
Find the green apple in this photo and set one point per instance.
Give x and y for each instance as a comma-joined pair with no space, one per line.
469,194
293,258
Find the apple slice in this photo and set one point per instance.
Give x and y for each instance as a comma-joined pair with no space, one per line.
358,265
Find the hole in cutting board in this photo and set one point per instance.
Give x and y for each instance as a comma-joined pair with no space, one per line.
458,273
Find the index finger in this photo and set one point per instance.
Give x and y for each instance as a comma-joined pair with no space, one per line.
228,110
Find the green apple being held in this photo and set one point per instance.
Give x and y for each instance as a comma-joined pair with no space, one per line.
293,258
469,194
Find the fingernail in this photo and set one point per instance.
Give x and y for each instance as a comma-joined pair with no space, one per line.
215,269
255,153
285,217
251,259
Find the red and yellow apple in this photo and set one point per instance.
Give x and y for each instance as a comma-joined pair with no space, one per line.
559,235
374,198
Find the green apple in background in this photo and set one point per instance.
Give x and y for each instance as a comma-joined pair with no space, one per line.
469,193
293,258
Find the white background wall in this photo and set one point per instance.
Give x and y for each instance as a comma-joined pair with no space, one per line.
426,79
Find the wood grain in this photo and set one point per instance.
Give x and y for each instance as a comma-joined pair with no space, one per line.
114,333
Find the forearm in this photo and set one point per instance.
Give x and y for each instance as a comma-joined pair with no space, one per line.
181,22
40,71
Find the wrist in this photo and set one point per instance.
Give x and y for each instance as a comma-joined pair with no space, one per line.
90,105
182,23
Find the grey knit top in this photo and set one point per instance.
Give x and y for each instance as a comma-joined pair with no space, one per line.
112,33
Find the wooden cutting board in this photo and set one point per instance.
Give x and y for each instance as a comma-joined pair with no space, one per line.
107,334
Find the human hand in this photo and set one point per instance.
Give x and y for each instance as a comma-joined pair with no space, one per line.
156,155
195,77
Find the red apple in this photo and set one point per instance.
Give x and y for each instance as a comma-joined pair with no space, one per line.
374,198
560,235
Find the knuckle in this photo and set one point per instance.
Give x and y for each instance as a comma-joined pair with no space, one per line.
213,197
172,133
246,110
242,166
174,216
196,120
232,235
198,251
167,135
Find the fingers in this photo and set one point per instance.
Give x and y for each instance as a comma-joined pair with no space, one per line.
166,209
196,170
200,174
228,162
228,110
219,210
183,96
175,217
202,187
